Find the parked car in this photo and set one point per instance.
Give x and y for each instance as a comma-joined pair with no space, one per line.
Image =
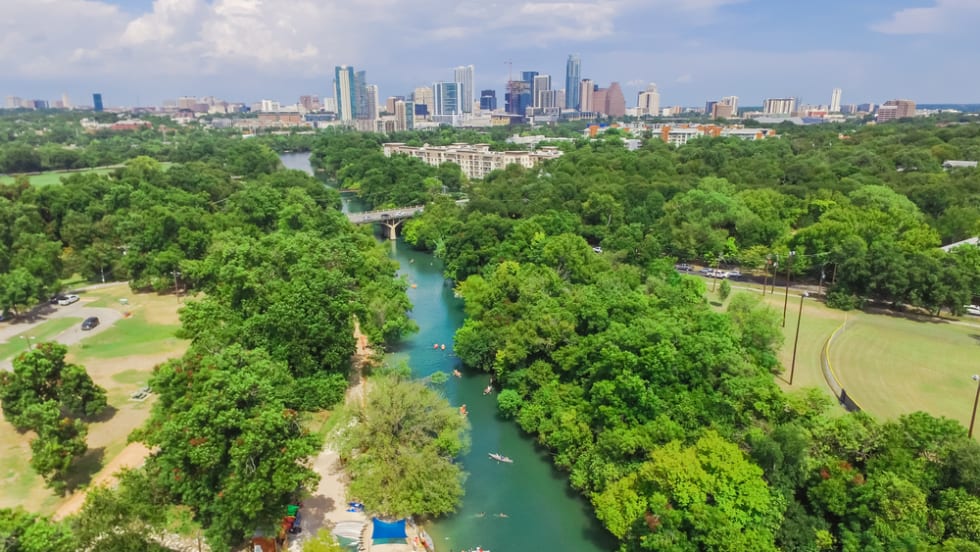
683,267
735,274
67,300
90,322
597,249
973,309
5,315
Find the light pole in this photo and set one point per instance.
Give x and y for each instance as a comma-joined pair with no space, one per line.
789,264
973,418
176,288
28,338
765,280
796,340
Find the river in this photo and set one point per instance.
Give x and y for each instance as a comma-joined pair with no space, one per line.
541,511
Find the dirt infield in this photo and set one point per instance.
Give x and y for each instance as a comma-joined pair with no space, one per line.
132,456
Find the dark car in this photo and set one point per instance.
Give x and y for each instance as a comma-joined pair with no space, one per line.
90,323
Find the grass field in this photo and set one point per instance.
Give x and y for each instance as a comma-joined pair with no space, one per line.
890,364
53,177
42,332
48,178
121,360
893,365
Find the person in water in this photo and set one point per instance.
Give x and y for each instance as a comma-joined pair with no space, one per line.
457,373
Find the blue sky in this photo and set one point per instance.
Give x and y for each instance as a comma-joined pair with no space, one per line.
695,50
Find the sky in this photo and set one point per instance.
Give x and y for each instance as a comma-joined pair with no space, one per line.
142,52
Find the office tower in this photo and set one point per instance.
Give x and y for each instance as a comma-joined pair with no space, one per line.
528,77
371,101
186,102
390,103
11,102
361,105
896,109
779,106
599,104
488,100
446,95
615,101
424,101
648,101
835,101
97,102
464,76
518,97
541,83
586,96
573,75
709,106
344,92
404,115
265,106
64,101
731,101
722,110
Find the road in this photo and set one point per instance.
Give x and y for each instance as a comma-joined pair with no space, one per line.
43,313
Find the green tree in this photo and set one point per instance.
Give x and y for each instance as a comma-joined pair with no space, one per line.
400,449
21,531
225,443
60,441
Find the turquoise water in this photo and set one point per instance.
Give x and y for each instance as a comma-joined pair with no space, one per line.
542,512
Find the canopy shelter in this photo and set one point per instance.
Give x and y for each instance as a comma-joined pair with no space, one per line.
385,532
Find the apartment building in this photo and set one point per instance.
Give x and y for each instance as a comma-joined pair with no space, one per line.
475,160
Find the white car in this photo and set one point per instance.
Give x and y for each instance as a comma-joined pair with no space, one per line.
67,300
973,309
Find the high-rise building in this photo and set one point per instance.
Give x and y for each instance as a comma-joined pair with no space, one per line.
709,106
835,100
779,106
404,115
722,110
446,96
518,97
731,101
423,97
97,102
586,103
390,103
573,76
599,104
344,92
371,101
896,109
528,77
464,76
362,109
488,100
648,101
186,102
615,101
64,101
541,83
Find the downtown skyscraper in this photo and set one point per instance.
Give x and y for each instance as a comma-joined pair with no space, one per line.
344,85
573,76
464,76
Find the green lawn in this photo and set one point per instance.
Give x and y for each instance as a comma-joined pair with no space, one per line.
129,336
54,177
43,332
893,365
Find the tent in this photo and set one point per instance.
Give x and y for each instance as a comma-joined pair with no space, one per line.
388,532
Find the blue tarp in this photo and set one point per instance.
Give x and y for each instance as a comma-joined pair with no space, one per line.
384,530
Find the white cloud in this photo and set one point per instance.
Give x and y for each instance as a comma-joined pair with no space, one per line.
945,16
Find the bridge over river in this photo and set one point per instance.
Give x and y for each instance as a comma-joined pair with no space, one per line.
391,218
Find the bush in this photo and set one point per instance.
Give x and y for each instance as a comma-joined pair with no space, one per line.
840,299
509,402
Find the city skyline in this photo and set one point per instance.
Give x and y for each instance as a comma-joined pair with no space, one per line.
144,52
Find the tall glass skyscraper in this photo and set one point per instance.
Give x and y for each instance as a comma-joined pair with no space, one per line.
446,98
573,75
344,86
97,102
464,76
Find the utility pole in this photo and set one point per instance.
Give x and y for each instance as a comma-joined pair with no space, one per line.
789,264
796,340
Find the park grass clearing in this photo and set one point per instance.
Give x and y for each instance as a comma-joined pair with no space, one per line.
49,178
121,360
893,365
42,332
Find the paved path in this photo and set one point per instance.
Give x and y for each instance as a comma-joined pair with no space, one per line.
107,317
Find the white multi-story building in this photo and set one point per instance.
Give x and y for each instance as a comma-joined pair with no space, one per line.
835,100
424,95
779,106
475,160
648,101
464,76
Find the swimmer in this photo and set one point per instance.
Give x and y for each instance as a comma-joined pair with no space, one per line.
457,373
502,515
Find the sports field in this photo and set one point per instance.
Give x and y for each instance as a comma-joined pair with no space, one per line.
892,365
120,359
